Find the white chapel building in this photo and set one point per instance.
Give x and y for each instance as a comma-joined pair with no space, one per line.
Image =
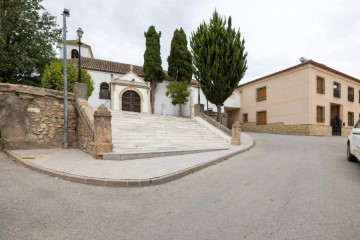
121,87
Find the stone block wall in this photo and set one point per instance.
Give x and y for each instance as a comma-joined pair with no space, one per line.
299,129
33,117
85,126
214,123
94,129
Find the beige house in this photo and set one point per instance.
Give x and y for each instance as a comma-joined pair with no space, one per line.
307,99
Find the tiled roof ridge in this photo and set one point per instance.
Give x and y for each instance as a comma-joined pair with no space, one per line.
299,65
107,66
109,61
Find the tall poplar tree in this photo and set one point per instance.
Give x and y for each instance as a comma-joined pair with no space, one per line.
27,36
219,58
180,70
153,71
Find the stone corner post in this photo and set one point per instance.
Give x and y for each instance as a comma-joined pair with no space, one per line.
236,134
198,109
102,131
80,90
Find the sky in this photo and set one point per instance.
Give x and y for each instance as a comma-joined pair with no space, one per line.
276,32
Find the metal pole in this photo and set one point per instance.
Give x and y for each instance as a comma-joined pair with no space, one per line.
65,14
79,75
198,93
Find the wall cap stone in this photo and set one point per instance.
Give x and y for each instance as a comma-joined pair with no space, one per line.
26,89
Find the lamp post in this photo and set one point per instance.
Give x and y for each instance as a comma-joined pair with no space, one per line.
79,32
65,14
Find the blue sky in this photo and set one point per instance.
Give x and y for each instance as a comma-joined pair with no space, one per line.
277,32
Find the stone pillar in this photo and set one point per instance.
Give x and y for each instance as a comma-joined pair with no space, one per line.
198,109
224,119
102,131
80,90
236,134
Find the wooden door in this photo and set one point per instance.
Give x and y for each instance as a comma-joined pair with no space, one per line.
131,101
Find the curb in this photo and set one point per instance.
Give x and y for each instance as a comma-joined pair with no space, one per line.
125,182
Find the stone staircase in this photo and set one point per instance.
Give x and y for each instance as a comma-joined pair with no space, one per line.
137,135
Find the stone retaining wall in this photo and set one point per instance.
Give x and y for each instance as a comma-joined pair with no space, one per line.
216,124
299,129
85,126
31,116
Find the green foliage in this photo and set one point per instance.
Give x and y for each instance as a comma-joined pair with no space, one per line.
53,77
219,58
179,93
153,70
180,63
27,36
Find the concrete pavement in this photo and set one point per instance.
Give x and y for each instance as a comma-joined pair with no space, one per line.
76,166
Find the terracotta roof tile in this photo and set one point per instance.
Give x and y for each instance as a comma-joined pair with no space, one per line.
106,66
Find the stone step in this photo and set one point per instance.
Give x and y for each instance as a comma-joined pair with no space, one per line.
120,145
137,134
121,156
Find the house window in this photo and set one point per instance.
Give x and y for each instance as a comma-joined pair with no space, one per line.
74,53
320,85
261,118
350,94
261,94
350,119
245,117
337,89
104,91
320,114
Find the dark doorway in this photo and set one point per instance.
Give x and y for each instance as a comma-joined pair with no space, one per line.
131,101
335,120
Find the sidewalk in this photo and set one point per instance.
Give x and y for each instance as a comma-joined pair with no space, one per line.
74,165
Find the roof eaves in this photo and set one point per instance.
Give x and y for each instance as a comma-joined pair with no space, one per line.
300,65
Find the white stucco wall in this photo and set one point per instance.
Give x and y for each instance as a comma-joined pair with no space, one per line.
232,102
163,104
99,77
85,51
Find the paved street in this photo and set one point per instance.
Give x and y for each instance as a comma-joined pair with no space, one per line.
286,187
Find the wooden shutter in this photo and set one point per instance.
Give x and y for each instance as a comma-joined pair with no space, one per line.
350,119
261,94
320,85
261,118
320,114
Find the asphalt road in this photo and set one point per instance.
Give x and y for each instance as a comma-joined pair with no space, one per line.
286,187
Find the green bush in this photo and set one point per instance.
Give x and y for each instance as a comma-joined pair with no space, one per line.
53,77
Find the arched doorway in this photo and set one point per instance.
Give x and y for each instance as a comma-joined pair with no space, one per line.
131,101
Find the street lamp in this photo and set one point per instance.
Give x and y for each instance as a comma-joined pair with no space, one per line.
65,14
79,32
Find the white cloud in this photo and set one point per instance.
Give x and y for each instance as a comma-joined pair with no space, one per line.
277,32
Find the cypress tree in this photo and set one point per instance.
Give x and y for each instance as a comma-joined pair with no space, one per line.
153,71
180,65
180,70
219,58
